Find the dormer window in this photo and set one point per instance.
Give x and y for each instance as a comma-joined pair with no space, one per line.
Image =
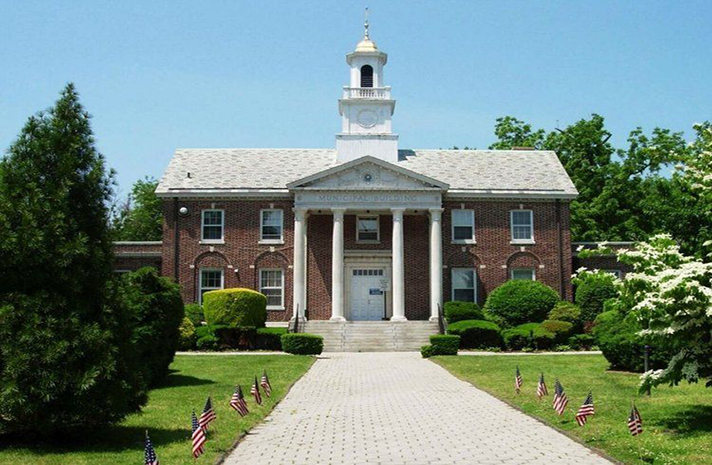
366,76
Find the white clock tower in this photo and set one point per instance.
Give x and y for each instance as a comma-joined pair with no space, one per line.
366,107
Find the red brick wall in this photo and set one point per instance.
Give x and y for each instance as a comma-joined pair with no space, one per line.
132,256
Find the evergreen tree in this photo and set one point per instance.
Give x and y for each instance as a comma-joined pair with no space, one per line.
64,337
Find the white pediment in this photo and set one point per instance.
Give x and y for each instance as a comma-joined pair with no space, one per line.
368,173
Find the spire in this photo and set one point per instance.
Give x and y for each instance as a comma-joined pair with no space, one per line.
366,45
365,26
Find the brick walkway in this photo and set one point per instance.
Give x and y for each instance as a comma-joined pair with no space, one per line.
396,408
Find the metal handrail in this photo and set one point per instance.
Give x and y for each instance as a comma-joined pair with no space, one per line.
441,320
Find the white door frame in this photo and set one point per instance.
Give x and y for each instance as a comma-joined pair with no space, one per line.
357,261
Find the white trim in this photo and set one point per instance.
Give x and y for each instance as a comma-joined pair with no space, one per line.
378,230
472,240
452,282
507,194
137,242
139,254
530,239
203,240
281,227
520,268
281,287
200,282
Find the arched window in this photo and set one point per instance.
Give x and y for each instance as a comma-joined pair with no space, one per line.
366,76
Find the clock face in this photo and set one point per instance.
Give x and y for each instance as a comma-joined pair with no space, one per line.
367,118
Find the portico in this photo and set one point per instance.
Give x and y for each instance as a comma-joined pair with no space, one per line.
376,187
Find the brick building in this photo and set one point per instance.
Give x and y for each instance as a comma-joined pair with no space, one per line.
365,231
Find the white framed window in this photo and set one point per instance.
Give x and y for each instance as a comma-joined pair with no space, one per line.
271,226
463,226
617,273
272,286
210,279
522,222
367,229
212,226
464,286
528,274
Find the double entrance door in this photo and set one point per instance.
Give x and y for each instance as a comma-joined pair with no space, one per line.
368,300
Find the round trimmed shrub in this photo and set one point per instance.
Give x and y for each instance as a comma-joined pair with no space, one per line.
186,338
566,311
445,344
528,336
235,307
592,291
560,329
458,311
426,351
302,343
519,301
476,334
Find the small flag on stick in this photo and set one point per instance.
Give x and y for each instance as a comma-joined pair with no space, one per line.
207,416
518,381
265,384
255,391
149,453
198,437
635,423
541,390
560,399
585,410
238,402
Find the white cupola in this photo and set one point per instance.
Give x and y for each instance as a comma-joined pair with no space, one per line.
366,107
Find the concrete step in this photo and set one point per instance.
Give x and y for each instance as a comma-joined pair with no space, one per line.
369,336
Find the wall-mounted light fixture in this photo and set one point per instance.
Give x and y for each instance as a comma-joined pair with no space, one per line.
183,211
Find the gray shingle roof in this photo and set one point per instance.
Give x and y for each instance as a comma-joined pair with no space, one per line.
495,172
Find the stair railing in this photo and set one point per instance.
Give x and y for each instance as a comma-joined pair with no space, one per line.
441,320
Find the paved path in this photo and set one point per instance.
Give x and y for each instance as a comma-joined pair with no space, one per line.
397,408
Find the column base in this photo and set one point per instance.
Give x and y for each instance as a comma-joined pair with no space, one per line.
433,319
337,318
398,318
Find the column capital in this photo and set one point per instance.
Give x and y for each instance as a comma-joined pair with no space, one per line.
436,213
300,213
338,212
397,211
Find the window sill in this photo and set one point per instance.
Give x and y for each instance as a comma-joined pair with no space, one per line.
368,242
276,309
209,242
522,242
464,241
271,242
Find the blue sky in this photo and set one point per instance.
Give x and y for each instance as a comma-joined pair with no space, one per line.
162,75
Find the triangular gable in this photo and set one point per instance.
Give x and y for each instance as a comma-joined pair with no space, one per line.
368,173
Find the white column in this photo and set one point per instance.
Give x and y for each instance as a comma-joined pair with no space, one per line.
398,264
299,267
337,266
436,262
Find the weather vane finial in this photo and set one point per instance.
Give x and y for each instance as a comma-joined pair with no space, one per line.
365,24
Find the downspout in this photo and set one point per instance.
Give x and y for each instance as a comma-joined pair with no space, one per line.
176,237
561,249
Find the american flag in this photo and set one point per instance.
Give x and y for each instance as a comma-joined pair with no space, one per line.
149,453
264,382
635,423
238,402
198,437
518,381
207,416
560,399
541,390
255,391
585,410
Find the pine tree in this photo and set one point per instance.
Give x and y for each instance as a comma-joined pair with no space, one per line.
66,363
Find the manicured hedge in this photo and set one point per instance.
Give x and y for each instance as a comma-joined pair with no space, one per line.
566,311
186,339
476,334
235,307
529,336
426,351
560,329
195,313
582,342
302,343
270,338
520,301
592,291
458,311
445,344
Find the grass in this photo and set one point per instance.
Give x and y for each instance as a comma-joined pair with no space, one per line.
677,421
167,414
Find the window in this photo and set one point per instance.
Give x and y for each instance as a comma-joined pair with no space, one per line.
617,273
210,280
463,226
213,222
522,226
271,226
366,76
523,273
367,229
272,286
463,285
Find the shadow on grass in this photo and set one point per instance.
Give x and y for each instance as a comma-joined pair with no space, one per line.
689,422
111,439
175,380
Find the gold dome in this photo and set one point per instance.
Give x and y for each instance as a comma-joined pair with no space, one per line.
366,45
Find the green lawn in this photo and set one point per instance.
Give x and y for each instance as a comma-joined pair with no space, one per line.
167,414
677,421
